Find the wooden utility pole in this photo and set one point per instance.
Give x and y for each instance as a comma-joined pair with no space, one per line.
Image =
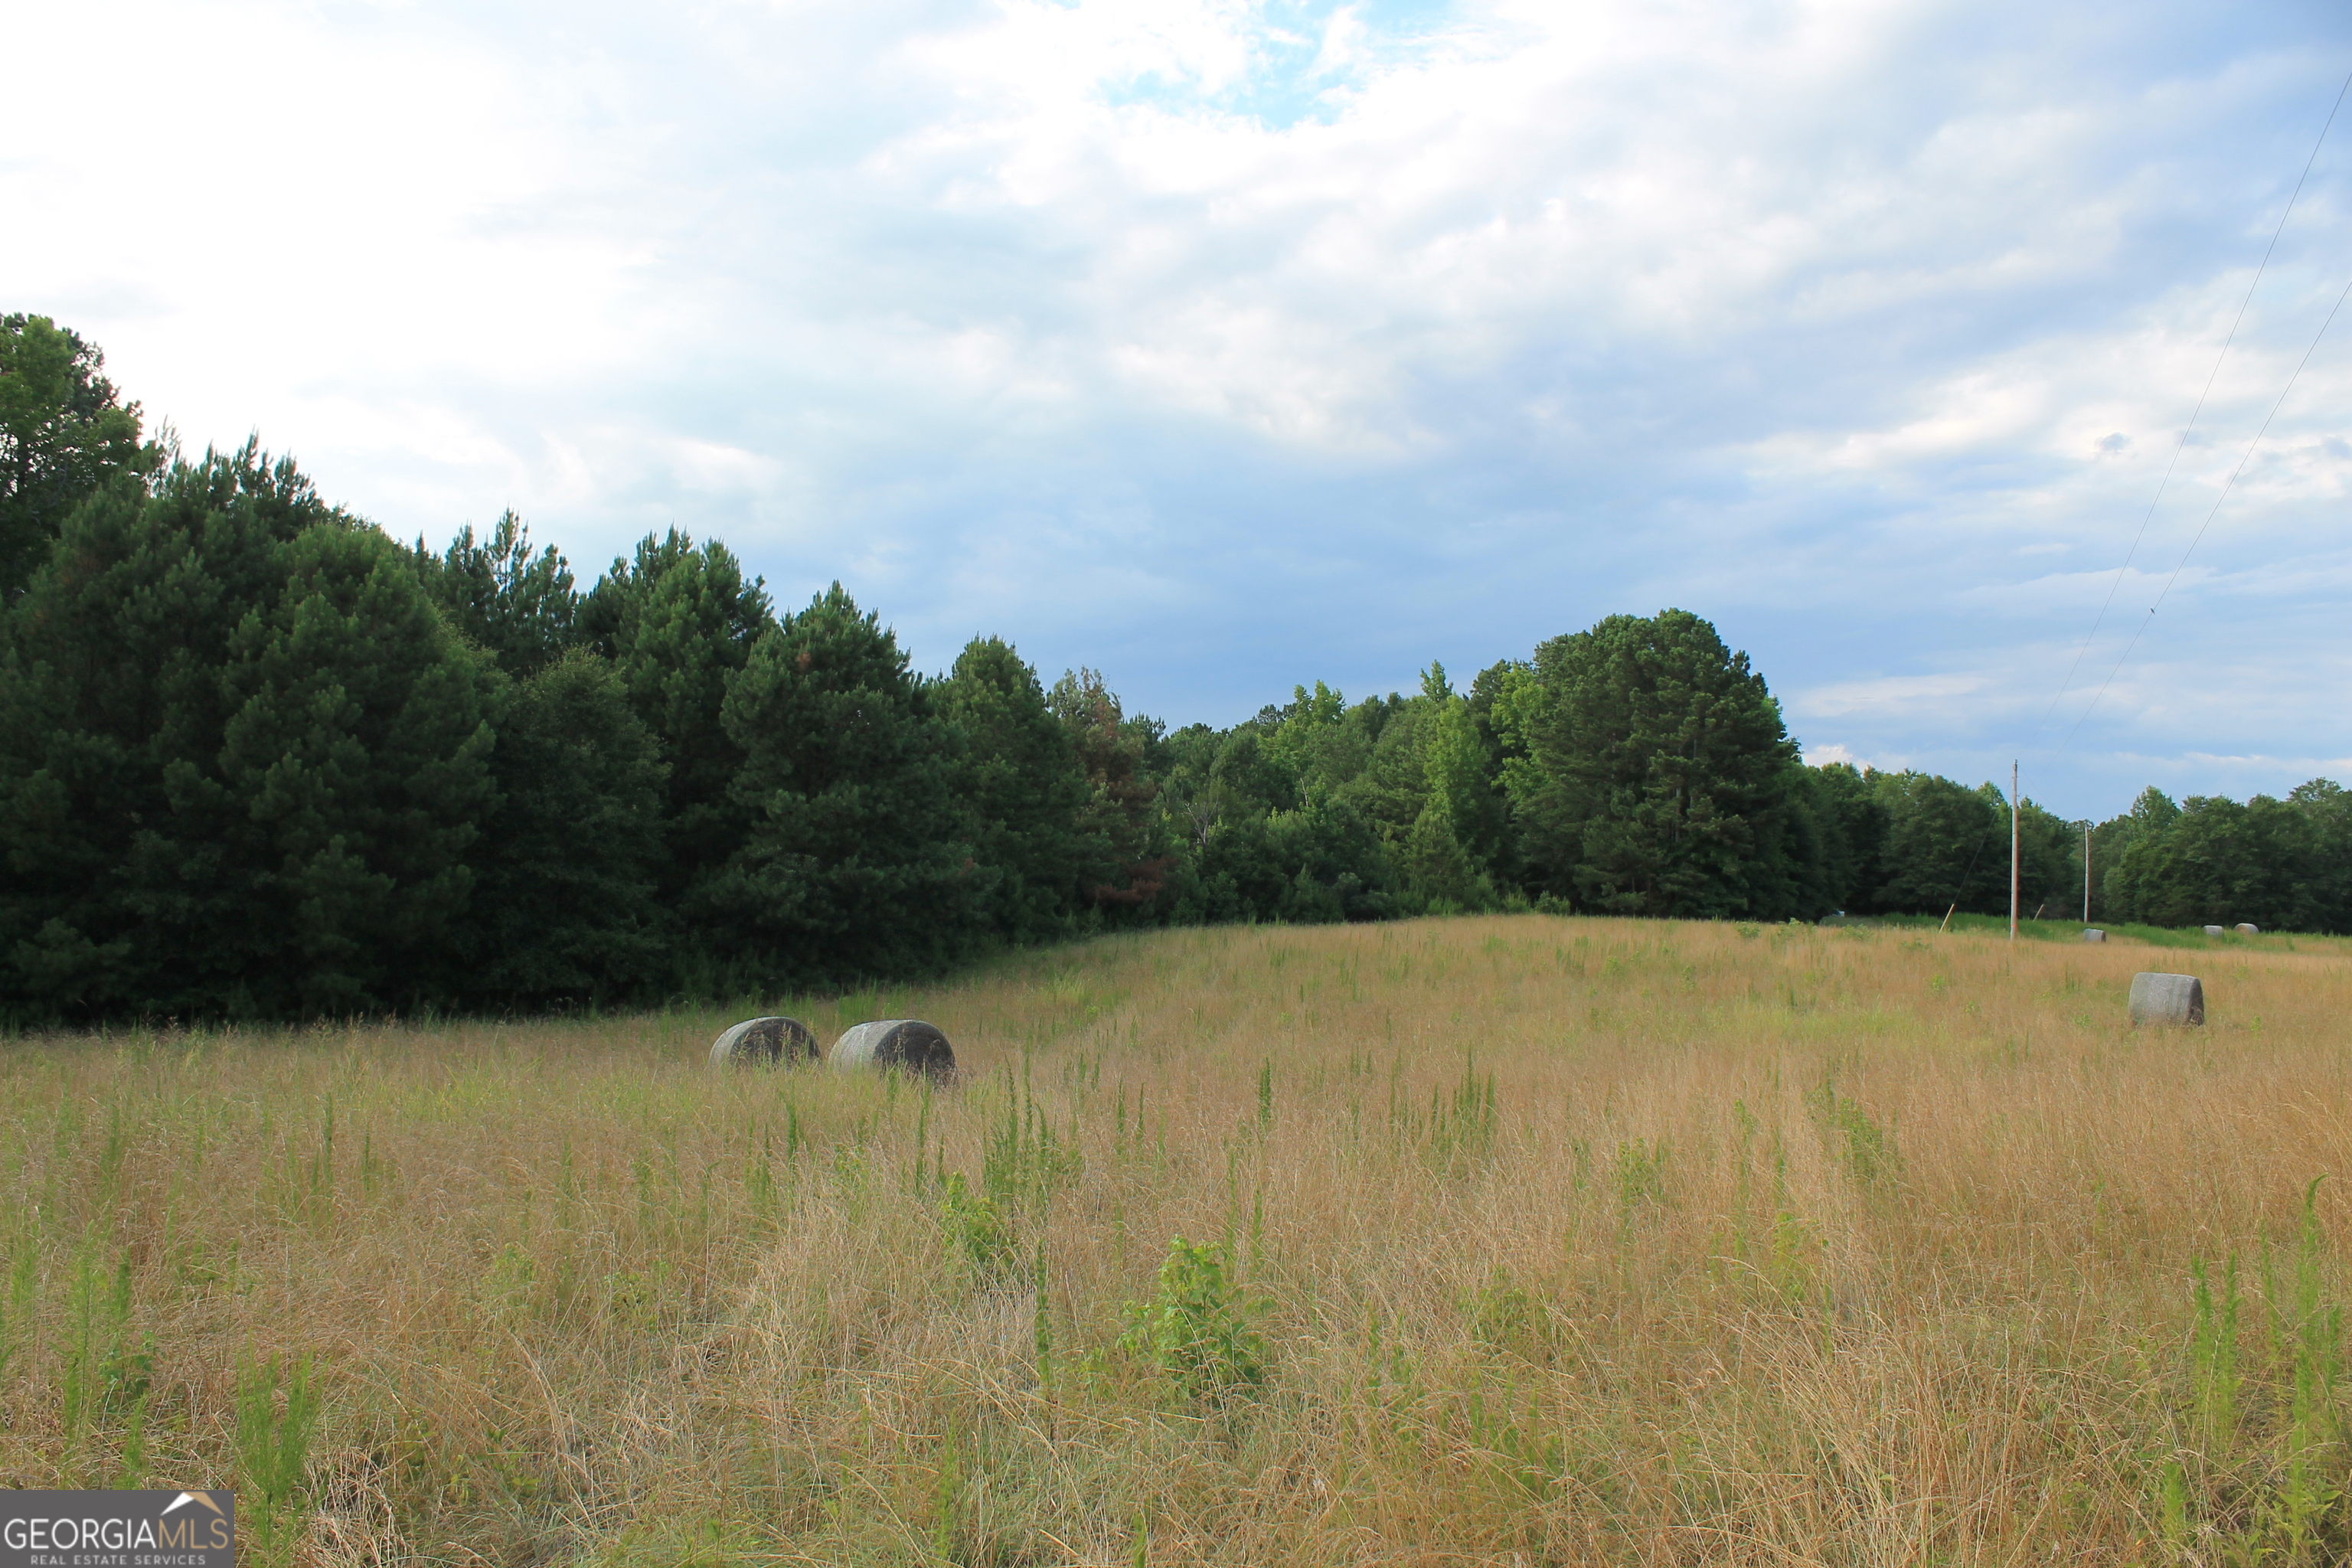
2013,849
2086,873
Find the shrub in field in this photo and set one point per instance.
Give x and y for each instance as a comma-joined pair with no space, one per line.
976,1228
1195,1332
1025,1161
1507,1319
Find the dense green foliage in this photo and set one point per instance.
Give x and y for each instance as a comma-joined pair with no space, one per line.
63,433
852,857
247,759
1655,776
2281,864
256,760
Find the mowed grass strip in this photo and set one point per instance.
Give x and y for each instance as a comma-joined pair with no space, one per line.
1514,1240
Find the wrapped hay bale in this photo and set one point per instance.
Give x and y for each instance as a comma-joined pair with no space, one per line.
768,1042
2246,928
2094,933
908,1045
2168,999
2212,930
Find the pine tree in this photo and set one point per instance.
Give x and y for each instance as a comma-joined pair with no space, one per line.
64,435
241,759
1121,815
521,608
1393,788
679,622
565,909
1653,780
1021,780
855,861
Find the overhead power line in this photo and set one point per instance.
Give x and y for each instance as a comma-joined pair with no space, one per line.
2215,508
2162,484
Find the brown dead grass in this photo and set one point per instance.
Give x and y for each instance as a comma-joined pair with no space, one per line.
1777,1245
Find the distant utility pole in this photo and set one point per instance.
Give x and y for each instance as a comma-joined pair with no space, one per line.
2013,849
2086,873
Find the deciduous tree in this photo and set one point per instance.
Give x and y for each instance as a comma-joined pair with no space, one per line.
1122,813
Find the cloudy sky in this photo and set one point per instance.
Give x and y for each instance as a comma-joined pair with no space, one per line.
1225,346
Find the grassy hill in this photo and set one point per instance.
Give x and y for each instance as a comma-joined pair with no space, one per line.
1514,1240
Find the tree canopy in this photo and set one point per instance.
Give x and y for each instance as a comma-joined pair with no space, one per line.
245,757
1654,781
856,857
256,760
64,435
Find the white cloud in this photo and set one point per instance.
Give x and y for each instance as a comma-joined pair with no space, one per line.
1225,344
1902,695
1822,756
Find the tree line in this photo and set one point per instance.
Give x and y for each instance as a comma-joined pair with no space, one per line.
258,759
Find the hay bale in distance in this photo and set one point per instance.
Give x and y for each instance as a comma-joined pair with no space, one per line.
2247,928
2094,933
908,1045
2168,999
2212,930
766,1042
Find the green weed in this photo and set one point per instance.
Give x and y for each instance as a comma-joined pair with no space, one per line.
1196,1332
277,1414
976,1228
1865,1148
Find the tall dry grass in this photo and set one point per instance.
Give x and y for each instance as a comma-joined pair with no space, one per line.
1553,1241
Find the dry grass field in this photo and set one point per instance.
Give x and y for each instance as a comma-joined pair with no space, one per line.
1519,1240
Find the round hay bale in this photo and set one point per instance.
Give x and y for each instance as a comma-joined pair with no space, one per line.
908,1044
2246,928
767,1042
2212,930
2168,999
2094,933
